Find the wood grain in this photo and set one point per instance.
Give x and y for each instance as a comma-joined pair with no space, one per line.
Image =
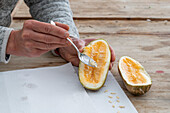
147,42
115,27
113,9
45,60
15,10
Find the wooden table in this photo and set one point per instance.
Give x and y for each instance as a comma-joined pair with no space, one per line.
139,29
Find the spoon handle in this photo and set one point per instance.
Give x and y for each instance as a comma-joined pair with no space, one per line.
68,39
74,45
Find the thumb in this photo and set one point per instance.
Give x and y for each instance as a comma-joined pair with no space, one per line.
81,49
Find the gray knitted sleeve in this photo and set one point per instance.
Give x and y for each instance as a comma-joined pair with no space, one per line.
56,10
42,10
4,35
6,7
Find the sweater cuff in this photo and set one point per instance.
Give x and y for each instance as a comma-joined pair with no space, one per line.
5,57
55,52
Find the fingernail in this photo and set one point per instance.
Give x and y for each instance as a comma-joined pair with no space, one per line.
66,34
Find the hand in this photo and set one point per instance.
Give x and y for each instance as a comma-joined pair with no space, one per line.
70,54
36,38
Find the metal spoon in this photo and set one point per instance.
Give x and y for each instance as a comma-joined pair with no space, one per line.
83,57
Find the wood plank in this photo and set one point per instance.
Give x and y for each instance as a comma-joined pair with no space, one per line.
123,27
115,27
113,9
15,10
45,60
152,106
147,42
121,9
23,11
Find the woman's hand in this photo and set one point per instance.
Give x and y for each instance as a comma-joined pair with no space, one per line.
36,38
70,54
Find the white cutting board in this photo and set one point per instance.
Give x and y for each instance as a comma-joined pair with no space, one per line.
57,90
43,90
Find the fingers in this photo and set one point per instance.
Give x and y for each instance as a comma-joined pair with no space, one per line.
79,43
64,26
42,46
45,38
35,52
75,61
112,58
68,55
111,65
38,52
112,54
46,28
